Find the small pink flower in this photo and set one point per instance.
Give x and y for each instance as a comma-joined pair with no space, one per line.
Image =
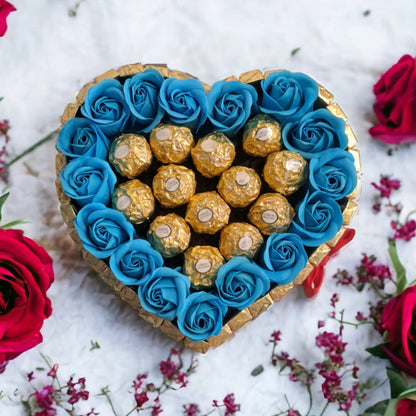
275,337
321,324
30,376
53,371
168,368
405,232
141,398
191,409
386,186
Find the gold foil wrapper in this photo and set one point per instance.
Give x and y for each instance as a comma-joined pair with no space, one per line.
207,213
169,235
201,264
262,136
130,155
134,200
240,239
239,186
170,143
213,154
285,172
174,185
271,213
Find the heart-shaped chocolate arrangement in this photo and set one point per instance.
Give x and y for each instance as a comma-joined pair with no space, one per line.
199,205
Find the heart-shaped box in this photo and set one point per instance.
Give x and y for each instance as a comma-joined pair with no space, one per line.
315,262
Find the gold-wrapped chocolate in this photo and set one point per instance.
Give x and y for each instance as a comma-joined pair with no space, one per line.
213,154
239,186
262,136
169,235
170,143
207,213
240,239
130,155
271,213
201,264
285,171
174,185
134,200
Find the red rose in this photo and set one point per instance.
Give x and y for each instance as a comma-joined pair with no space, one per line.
406,407
25,275
399,320
5,9
395,105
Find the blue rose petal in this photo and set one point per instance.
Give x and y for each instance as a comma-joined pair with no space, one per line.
142,96
102,230
314,133
87,180
240,282
284,256
81,137
230,104
201,316
134,260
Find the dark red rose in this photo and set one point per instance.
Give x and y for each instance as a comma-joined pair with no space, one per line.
25,275
406,407
395,105
399,320
5,9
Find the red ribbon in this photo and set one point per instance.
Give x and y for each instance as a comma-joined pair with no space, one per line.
313,282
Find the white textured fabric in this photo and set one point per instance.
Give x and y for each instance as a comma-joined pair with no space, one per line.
47,56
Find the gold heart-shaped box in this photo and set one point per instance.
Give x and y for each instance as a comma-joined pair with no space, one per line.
127,294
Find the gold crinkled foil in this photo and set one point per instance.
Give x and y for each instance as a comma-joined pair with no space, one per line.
207,213
130,155
262,136
201,264
271,213
134,200
169,235
285,171
170,143
213,154
239,186
174,185
240,239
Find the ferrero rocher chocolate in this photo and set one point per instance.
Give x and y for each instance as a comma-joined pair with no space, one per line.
169,235
262,136
207,213
134,200
271,213
285,171
213,154
239,186
173,185
240,239
130,155
170,143
201,264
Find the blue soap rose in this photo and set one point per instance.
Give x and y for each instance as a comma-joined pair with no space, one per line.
106,106
318,219
284,256
288,96
333,173
185,101
201,316
240,282
88,179
81,137
163,292
230,104
314,133
142,96
102,230
134,260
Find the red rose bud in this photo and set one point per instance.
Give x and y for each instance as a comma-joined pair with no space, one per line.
395,105
399,320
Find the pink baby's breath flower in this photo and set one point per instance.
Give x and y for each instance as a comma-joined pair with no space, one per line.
141,398
405,232
275,337
191,409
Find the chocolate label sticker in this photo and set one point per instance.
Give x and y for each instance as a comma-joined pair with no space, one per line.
293,165
245,243
121,152
203,266
163,231
264,134
242,178
205,215
163,134
268,216
123,202
172,184
208,146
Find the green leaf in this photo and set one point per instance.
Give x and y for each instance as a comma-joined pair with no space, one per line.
398,267
377,351
366,13
408,391
378,408
397,384
3,200
294,51
13,223
258,370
